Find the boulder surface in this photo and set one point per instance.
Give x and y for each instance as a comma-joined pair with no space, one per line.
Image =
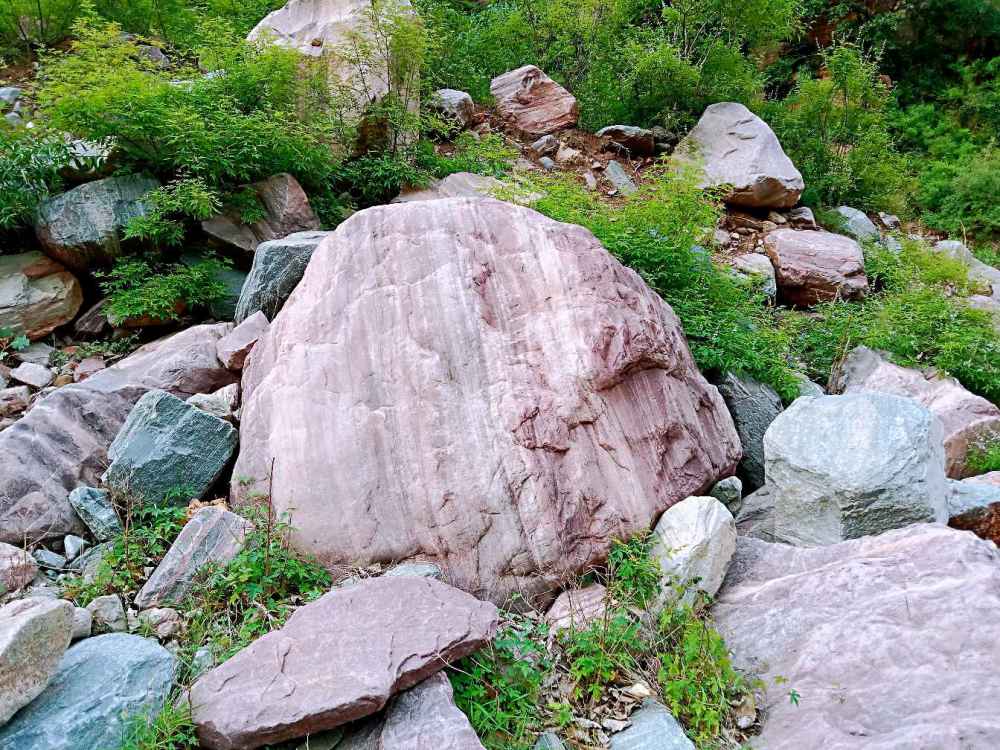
813,267
277,269
891,641
62,443
338,659
734,147
37,295
426,333
968,420
753,406
533,104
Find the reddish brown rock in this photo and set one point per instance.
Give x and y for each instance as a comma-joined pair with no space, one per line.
234,348
969,420
576,609
467,382
981,507
37,294
338,659
14,400
62,442
816,267
286,209
533,104
87,367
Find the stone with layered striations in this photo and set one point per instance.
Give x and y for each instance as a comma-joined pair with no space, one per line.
891,640
842,467
166,445
693,543
816,267
969,420
96,510
278,266
103,684
62,442
14,400
37,294
213,536
458,185
83,228
336,660
424,717
532,104
37,376
34,633
17,568
499,332
576,609
286,211
733,147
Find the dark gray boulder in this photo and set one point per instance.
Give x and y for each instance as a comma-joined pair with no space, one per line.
753,407
96,510
277,269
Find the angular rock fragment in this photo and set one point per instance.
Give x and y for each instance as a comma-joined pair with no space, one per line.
34,375
629,139
278,266
857,224
576,609
816,267
653,727
457,105
96,510
17,568
753,406
336,660
37,295
234,348
458,185
533,104
108,614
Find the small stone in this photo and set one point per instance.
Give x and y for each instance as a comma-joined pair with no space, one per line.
628,139
202,660
802,218
83,623
95,509
417,569
576,609
653,728
455,104
235,346
17,568
49,560
753,406
38,353
108,614
889,221
277,268
88,367
547,164
14,400
857,224
758,268
164,622
547,145
549,741
729,492
73,546
9,95
224,403
776,218
31,374
618,177
590,180
568,156
89,563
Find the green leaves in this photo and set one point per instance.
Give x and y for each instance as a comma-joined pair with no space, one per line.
150,289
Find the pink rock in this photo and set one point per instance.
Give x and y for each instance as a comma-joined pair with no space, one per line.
891,641
336,660
17,568
286,208
62,442
992,477
234,347
968,419
14,400
37,294
87,367
576,609
532,103
467,382
816,267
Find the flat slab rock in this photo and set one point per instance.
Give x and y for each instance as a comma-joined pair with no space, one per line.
532,103
62,442
101,683
891,641
338,659
813,267
475,328
968,420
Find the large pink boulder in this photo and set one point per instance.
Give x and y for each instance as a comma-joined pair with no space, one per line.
816,267
468,382
533,104
969,420
62,442
889,641
338,659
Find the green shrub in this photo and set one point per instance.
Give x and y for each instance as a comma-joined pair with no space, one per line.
30,163
984,457
168,206
171,729
139,288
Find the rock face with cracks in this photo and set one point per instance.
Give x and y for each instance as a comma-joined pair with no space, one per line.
336,660
468,382
891,641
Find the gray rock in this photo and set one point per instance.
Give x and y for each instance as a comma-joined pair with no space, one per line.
756,516
842,467
455,104
729,492
223,308
14,119
96,510
857,224
653,728
109,614
802,218
753,407
89,563
224,403
31,374
969,495
213,535
422,718
458,185
577,609
202,661
979,272
73,546
49,560
808,387
277,269
629,139
163,622
693,543
38,353
547,145
17,568
892,244
734,147
889,221
83,623
9,95
167,445
549,741
101,684
891,641
758,268
82,228
34,633
618,177
418,569
547,164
